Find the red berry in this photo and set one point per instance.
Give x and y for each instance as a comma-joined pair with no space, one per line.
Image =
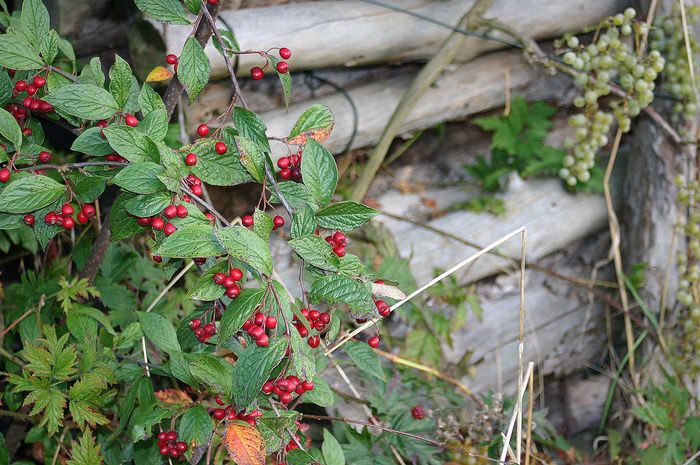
44,157
307,385
5,175
131,120
157,258
340,238
314,314
268,387
191,159
325,318
158,224
21,86
67,210
233,291
256,332
236,274
68,223
285,173
263,341
283,162
39,81
170,212
203,130
271,322
169,229
256,73
195,324
182,211
339,251
45,107
82,219
373,342
210,329
220,148
164,450
277,222
196,190
219,414
282,67
286,398
161,436
285,53
314,341
27,102
247,220
213,2
418,412
219,278
181,446
27,132
219,401
29,219
31,89
259,319
171,59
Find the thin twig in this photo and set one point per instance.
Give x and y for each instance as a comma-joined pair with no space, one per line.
516,413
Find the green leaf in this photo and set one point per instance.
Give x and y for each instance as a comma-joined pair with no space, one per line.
122,224
345,216
262,224
85,451
48,48
196,426
149,100
300,457
339,288
17,53
91,142
147,205
192,5
285,80
92,73
159,331
9,129
131,144
193,69
140,178
167,11
274,426
194,240
253,369
316,122
303,363
205,288
120,81
365,358
44,232
8,221
216,373
88,188
5,89
251,157
332,452
96,315
155,124
319,172
35,21
215,169
321,394
303,222
315,251
29,193
250,126
84,101
296,194
247,246
238,311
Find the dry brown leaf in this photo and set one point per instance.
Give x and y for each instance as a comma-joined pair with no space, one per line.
173,396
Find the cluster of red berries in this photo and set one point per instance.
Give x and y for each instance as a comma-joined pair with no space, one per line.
257,73
31,102
195,185
290,167
283,388
230,282
64,216
169,445
229,413
160,223
248,221
202,332
257,327
316,320
338,241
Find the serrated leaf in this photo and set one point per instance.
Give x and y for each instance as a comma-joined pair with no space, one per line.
215,169
35,21
315,251
120,80
253,368
303,363
17,53
299,457
147,205
315,123
92,73
345,216
91,142
247,247
193,68
140,178
205,288
149,100
215,373
296,194
194,240
85,451
167,11
83,101
159,331
244,444
262,224
274,428
342,289
155,124
332,452
48,48
365,358
131,144
122,224
251,157
9,129
319,172
238,311
303,222
250,126
29,193
196,426
5,89
321,395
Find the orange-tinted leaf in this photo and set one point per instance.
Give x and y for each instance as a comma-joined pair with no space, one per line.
244,444
173,396
319,135
158,74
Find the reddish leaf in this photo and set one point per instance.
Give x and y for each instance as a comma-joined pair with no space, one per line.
244,444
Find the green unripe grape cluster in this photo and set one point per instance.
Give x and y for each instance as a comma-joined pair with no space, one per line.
688,267
667,38
611,58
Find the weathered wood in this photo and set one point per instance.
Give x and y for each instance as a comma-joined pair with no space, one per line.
462,91
347,33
